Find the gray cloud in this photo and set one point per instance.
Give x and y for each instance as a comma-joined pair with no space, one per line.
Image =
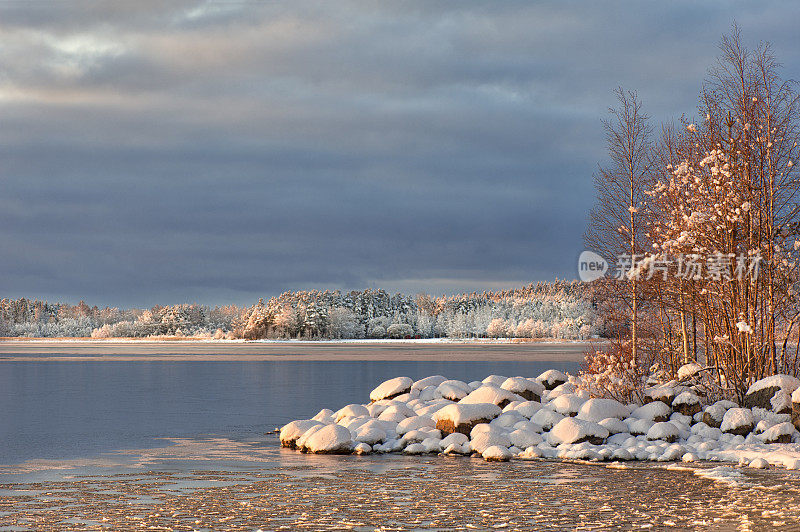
222,151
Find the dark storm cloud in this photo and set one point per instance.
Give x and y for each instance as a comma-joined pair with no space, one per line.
222,151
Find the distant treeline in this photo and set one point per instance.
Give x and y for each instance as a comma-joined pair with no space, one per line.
561,309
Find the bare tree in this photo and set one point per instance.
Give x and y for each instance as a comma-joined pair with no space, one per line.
617,223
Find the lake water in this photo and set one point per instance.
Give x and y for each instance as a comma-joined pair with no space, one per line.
59,410
132,445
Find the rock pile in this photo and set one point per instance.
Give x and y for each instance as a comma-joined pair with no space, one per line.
548,416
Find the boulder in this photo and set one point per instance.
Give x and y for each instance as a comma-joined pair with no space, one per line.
453,390
567,404
462,417
599,409
687,403
489,438
489,393
739,421
433,380
291,432
552,379
524,439
573,430
546,418
352,410
414,423
665,431
712,415
663,392
527,388
391,388
780,433
528,408
654,411
330,439
760,394
496,453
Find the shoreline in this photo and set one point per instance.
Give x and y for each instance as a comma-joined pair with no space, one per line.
38,350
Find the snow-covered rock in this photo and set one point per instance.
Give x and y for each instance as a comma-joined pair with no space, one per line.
301,441
524,439
712,415
415,448
324,416
531,453
738,421
655,411
456,438
292,431
529,426
453,390
483,440
601,429
508,419
639,427
663,430
352,410
567,404
780,433
552,378
526,388
416,422
397,413
362,448
494,380
663,392
371,432
391,388
687,403
599,409
330,439
454,448
461,417
781,402
528,408
496,453
419,435
488,393
762,391
433,380
546,418
612,424
572,430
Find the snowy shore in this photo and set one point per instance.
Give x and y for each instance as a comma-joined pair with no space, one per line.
549,417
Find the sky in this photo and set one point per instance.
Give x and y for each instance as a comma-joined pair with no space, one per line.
218,152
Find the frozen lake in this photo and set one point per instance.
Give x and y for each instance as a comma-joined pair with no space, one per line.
74,400
133,439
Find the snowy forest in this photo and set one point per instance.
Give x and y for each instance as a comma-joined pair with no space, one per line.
559,309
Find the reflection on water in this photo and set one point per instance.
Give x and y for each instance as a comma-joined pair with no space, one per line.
217,483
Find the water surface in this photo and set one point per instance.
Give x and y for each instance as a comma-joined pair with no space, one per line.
60,410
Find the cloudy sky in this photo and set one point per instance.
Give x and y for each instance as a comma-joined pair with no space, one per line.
218,152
